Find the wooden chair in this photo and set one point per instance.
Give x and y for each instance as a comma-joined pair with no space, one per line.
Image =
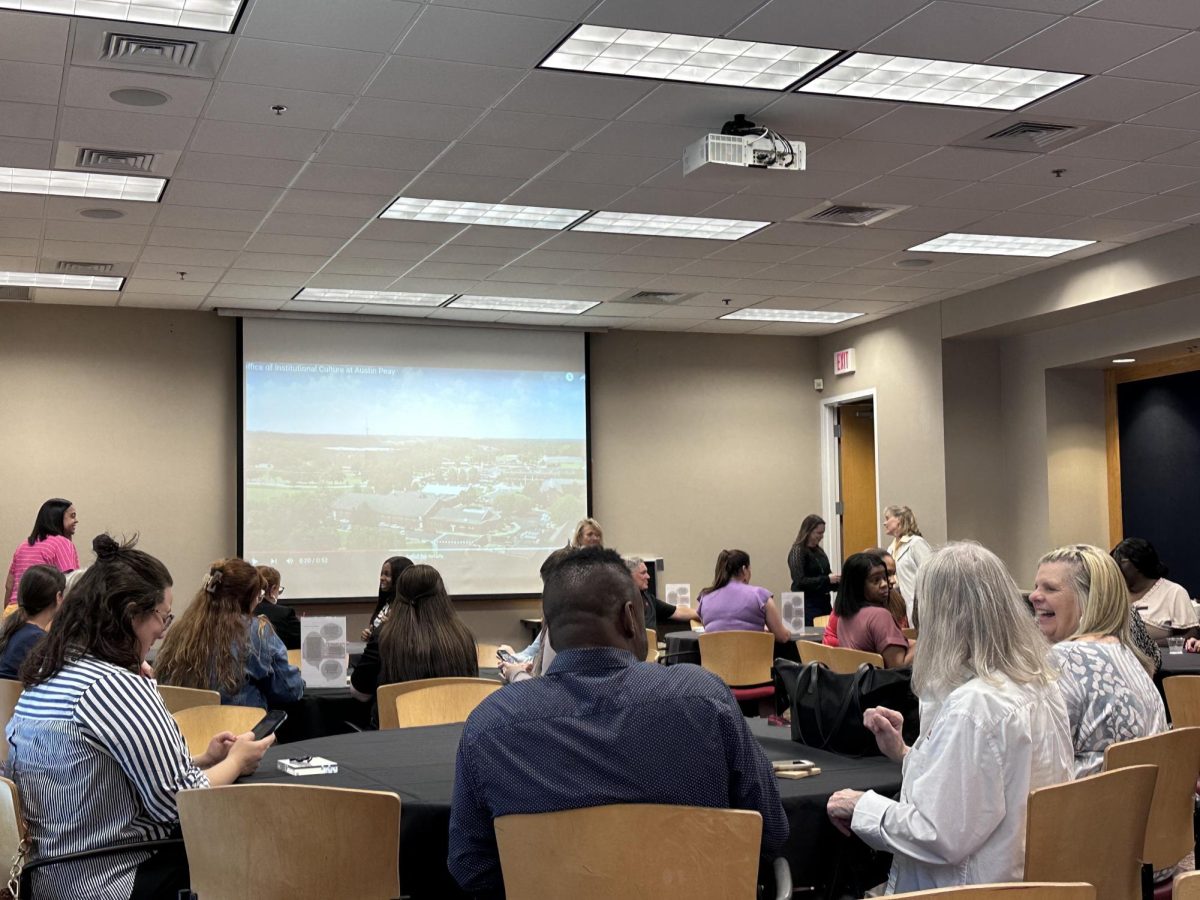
742,659
1015,891
294,658
199,723
431,701
234,851
12,824
1187,886
177,698
584,853
485,655
1169,836
820,621
910,633
1183,700
651,645
1092,829
10,693
841,660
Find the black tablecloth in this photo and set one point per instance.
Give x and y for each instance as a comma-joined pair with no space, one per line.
1180,663
684,646
418,764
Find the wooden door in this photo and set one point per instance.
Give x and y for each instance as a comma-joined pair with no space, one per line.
856,454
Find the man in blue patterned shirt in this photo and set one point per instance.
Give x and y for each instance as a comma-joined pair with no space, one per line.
601,727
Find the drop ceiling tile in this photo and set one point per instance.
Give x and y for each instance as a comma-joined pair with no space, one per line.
723,268
223,196
316,226
562,259
563,195
799,272
195,275
679,248
1132,142
679,284
718,178
404,251
803,116
1188,155
942,279
180,256
604,168
258,277
125,130
992,195
255,140
28,37
883,239
622,310
158,300
281,262
22,206
474,188
19,246
27,82
1171,13
294,243
376,151
665,324
27,120
24,153
929,218
495,256
525,275
89,88
95,232
933,125
451,270
794,234
354,179
592,242
963,163
352,282
476,36
16,228
1183,113
569,10
897,293
197,238
1161,209
865,305
330,203
1101,229
252,292
724,326
467,315
554,93
719,302
758,253
1189,190
406,119
899,189
1023,223
1175,62
546,291
681,16
488,236
374,24
761,207
1090,46
644,263
959,30
86,252
252,103
635,139
76,298
594,278
1081,202
393,268
1059,171
510,162
987,265
69,208
867,157
667,203
305,68
194,166
421,232
209,218
1108,99
703,105
812,183
506,128
444,82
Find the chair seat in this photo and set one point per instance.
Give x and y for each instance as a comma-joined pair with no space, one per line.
753,693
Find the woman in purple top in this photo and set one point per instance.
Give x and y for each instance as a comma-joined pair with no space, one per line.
864,620
49,544
732,603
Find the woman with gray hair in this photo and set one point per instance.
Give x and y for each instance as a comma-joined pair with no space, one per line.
908,548
1081,606
989,704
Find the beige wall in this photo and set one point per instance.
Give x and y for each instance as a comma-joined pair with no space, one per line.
1076,463
131,415
702,442
901,358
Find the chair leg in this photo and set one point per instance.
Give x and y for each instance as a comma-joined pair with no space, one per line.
1147,881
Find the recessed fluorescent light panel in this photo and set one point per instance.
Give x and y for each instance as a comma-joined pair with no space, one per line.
669,226
382,298
937,81
81,184
794,316
999,245
685,57
72,282
524,304
464,213
205,15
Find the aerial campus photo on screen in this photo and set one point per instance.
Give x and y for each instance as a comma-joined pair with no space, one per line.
480,472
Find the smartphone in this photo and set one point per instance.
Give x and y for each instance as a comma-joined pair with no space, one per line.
505,656
269,724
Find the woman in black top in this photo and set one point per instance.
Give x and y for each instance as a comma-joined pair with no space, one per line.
810,569
392,567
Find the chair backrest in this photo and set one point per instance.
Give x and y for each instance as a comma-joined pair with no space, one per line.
1183,699
10,693
1020,890
584,853
291,842
177,698
12,824
1091,829
845,661
1187,886
431,701
820,621
910,633
1169,836
199,723
651,645
740,658
294,658
485,655
811,652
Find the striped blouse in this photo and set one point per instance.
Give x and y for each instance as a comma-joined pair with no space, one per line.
98,761
55,550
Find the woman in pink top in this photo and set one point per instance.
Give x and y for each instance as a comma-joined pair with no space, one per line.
732,603
864,620
49,544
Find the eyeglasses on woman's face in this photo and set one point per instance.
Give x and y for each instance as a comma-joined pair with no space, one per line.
166,619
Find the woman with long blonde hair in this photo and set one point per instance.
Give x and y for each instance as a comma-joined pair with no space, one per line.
908,548
218,645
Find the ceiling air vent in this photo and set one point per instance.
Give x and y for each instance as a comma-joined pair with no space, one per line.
656,298
1029,136
144,50
9,292
71,267
846,214
121,160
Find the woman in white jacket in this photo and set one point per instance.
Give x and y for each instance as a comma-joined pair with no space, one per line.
908,549
993,728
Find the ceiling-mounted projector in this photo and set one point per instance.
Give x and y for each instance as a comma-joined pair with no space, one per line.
742,143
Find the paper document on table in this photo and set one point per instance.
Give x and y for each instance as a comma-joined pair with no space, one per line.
324,656
679,594
791,607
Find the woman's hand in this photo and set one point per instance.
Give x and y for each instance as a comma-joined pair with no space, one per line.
886,724
835,579
247,753
218,749
147,670
509,671
840,809
1192,645
366,633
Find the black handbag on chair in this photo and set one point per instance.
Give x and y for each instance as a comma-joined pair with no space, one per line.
827,708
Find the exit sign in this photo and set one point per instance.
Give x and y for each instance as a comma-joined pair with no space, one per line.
843,362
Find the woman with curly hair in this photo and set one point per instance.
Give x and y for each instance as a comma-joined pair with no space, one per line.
218,645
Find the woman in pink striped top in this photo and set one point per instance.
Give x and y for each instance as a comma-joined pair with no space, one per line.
49,544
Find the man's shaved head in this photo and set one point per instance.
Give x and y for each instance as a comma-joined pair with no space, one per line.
589,600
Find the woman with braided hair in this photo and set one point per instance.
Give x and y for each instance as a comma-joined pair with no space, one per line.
218,645
423,637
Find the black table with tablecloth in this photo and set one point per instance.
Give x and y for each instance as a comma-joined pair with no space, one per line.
684,646
418,764
1180,664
